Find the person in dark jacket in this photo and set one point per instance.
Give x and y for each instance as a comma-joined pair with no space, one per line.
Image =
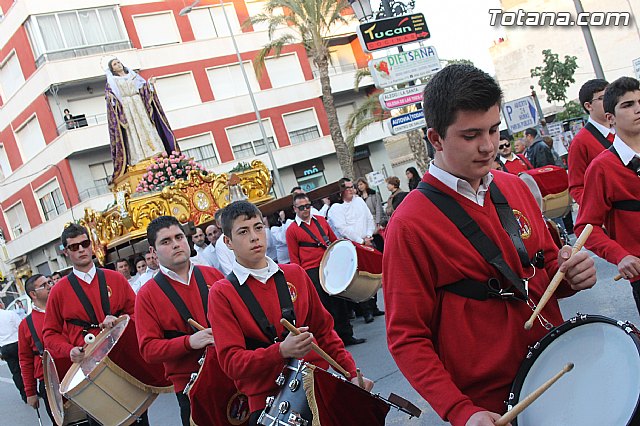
538,153
413,177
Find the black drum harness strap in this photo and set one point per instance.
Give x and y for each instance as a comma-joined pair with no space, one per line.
487,248
317,243
86,303
596,134
249,299
179,304
34,336
628,205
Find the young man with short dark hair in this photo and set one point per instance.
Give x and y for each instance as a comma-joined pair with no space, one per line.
456,339
592,139
248,353
611,194
164,334
30,343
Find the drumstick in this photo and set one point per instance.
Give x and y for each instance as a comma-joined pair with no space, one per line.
195,324
88,339
360,379
528,400
557,278
39,418
618,277
317,349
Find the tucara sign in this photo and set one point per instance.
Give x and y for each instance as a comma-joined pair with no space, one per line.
390,32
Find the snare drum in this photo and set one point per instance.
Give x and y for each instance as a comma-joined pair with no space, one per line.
103,389
553,183
602,389
290,406
351,271
64,413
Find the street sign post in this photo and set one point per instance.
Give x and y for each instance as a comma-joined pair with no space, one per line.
407,122
403,67
520,114
385,33
403,97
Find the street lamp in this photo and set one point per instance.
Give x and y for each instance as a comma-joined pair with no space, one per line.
276,173
362,9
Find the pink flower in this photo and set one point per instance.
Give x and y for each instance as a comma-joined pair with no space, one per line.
155,181
174,165
172,178
163,178
150,178
159,174
155,167
179,171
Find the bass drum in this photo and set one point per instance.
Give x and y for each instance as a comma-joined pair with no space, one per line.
64,413
602,389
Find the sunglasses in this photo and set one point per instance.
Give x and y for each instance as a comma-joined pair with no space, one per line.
49,283
304,207
76,246
503,146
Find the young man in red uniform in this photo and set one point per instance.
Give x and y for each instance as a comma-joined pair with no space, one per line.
164,335
30,346
246,354
592,139
512,162
87,300
307,251
435,278
611,194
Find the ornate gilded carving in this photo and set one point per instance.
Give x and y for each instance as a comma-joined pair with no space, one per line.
195,199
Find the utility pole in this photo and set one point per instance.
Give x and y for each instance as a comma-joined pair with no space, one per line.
591,47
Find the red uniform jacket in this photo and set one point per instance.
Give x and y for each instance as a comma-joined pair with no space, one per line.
155,315
608,181
583,149
308,257
517,165
30,359
461,354
255,371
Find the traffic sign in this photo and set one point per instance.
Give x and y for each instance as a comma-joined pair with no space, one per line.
636,67
394,31
520,114
402,97
407,122
404,66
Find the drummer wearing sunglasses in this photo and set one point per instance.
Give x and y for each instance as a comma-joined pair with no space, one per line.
249,354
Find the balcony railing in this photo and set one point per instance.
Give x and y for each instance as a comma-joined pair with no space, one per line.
93,192
78,52
81,121
337,69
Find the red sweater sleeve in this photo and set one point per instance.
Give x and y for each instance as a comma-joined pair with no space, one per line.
52,333
409,328
154,347
26,355
594,209
292,244
578,161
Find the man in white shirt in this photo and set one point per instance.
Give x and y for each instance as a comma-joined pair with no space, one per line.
9,323
213,233
203,256
122,266
352,218
152,269
224,254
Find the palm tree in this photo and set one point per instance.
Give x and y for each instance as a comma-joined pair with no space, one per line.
370,112
309,22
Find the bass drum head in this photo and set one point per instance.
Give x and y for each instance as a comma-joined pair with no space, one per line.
338,267
52,388
602,389
95,353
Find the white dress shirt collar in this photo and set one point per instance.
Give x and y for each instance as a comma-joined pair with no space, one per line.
299,220
461,186
624,151
512,157
171,274
86,276
602,129
263,274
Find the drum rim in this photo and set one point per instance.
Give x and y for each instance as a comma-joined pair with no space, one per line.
58,415
536,349
76,366
325,259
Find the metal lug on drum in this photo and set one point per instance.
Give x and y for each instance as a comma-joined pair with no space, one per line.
280,380
284,407
296,420
270,400
294,385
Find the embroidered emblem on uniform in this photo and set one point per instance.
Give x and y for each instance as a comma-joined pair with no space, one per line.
523,224
292,291
238,409
109,292
367,247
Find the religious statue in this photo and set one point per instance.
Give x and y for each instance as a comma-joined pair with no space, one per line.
138,127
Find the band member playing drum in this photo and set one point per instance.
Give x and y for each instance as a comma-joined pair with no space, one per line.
611,194
30,346
592,139
455,321
246,308
85,301
179,290
307,240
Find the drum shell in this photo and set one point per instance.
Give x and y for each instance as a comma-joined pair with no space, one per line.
553,183
295,396
364,281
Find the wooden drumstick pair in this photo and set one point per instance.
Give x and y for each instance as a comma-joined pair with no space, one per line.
557,278
528,400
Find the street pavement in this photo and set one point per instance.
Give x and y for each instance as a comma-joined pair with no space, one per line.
608,298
